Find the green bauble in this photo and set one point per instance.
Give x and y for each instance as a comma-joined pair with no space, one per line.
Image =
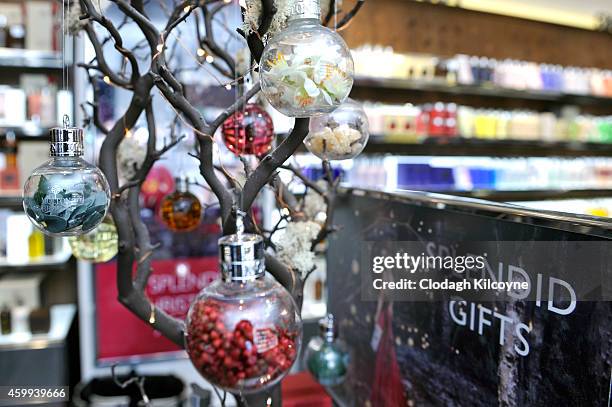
329,365
327,358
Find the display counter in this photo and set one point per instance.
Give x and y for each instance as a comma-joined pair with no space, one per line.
43,359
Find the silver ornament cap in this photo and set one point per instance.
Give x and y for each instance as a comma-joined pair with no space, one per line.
242,255
66,142
182,183
327,328
301,9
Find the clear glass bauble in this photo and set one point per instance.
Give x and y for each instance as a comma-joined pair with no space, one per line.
243,336
339,135
131,153
306,70
249,131
66,196
98,246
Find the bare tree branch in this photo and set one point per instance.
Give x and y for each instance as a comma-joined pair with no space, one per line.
135,246
271,162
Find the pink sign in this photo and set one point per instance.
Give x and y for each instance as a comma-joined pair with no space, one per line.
172,287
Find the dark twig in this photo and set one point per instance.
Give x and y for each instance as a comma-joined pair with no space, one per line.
136,380
348,17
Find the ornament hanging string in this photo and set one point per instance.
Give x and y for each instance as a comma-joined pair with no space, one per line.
65,16
65,74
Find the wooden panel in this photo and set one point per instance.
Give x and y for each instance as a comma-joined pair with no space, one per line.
410,26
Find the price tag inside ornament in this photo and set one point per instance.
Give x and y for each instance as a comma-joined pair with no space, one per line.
265,338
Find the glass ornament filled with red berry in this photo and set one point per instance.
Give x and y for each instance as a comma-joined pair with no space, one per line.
249,131
243,331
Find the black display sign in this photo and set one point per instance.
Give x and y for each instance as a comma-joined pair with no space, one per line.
448,347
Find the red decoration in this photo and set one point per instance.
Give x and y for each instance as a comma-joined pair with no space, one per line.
249,131
172,288
301,390
158,184
244,356
387,389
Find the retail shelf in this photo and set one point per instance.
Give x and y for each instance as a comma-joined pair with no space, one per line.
441,86
532,195
61,320
11,200
457,146
23,58
54,260
28,131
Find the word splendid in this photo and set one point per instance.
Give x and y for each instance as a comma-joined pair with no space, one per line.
404,261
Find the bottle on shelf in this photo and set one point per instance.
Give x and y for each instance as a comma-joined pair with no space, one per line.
9,176
5,319
3,30
318,289
36,244
20,315
16,36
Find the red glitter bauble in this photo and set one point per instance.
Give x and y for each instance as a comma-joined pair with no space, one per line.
157,185
249,131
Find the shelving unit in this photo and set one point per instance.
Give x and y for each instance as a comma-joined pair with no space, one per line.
456,146
14,62
30,59
58,260
441,86
472,147
48,261
29,131
61,320
11,200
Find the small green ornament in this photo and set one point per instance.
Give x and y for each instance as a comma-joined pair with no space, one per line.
327,358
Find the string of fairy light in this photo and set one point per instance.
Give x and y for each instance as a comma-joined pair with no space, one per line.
200,54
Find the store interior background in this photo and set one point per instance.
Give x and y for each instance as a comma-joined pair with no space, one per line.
508,103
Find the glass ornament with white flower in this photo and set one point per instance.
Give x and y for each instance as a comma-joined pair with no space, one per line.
339,135
307,69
